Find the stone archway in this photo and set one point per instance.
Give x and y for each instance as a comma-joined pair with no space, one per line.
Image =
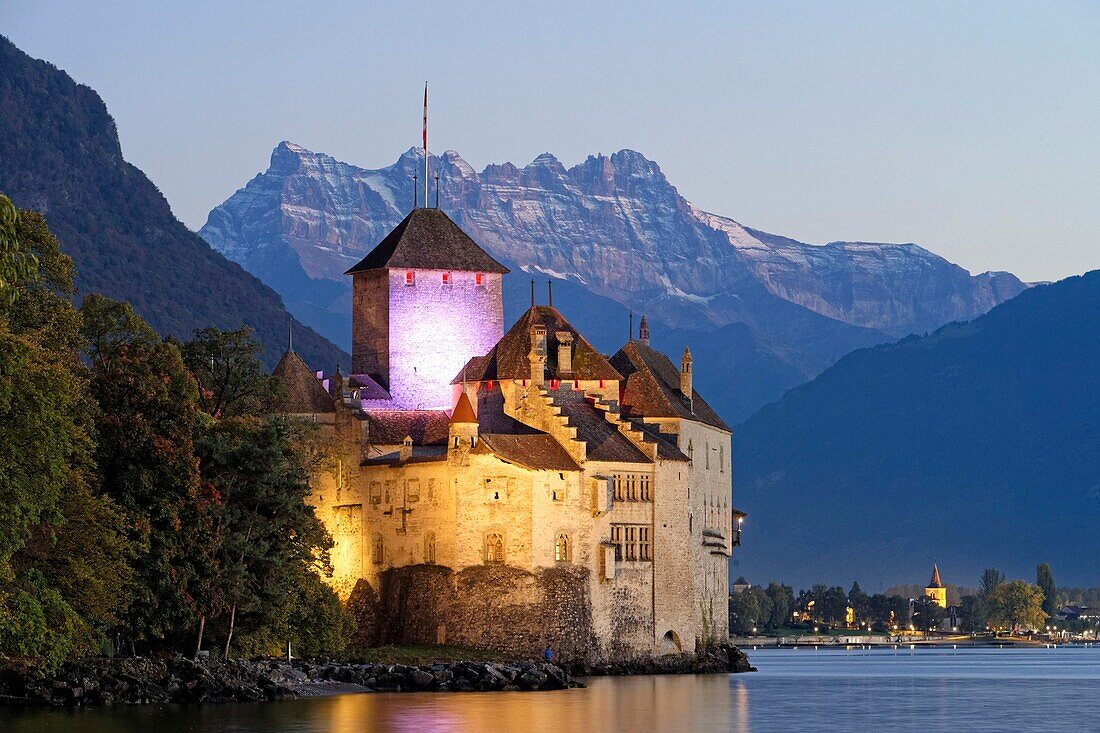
670,643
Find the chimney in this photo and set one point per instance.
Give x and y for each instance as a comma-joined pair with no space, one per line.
685,374
643,331
565,353
537,355
406,449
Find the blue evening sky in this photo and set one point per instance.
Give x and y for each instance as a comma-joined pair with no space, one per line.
971,128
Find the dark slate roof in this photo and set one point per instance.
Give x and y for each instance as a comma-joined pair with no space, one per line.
605,442
420,454
508,359
427,239
304,392
652,387
537,451
368,388
389,427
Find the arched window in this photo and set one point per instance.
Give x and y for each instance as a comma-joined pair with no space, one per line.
376,549
429,548
562,548
494,547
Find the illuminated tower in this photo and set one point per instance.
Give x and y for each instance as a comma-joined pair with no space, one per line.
936,590
424,302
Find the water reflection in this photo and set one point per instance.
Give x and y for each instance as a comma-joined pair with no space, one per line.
866,691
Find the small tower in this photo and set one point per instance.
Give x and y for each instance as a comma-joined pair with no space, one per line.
643,331
936,590
464,426
685,374
565,353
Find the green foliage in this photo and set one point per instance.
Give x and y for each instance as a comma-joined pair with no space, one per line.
36,622
1045,580
991,579
745,611
927,614
1016,606
226,366
973,611
781,599
145,458
16,263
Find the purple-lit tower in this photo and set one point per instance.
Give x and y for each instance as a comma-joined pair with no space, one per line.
425,301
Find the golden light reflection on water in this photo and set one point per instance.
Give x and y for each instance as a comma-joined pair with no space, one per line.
672,703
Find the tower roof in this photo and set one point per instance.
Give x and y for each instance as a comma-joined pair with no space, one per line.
304,393
464,411
508,359
935,583
427,239
652,387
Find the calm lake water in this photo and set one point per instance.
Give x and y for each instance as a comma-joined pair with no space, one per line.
926,690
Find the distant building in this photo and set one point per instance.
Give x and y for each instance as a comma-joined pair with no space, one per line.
936,590
740,584
513,490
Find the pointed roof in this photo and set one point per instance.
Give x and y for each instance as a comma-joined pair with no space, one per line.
427,239
652,387
464,411
935,577
304,392
508,359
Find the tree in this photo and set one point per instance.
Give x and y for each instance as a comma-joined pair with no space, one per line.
1016,605
63,562
146,462
1045,581
17,263
991,579
226,366
860,604
266,531
973,614
782,604
927,614
831,605
744,610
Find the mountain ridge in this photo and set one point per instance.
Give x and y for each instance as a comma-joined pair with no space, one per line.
60,154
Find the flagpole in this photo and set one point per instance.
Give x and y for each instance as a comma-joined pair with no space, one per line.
425,143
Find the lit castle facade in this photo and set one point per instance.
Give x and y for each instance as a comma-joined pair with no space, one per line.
513,489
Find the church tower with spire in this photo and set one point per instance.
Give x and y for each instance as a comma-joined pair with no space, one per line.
936,590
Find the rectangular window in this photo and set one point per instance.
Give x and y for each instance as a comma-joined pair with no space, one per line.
632,487
479,279
375,492
410,277
412,490
446,278
633,542
646,489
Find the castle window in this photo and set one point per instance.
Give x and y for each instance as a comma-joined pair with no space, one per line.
429,548
412,490
630,542
645,547
617,540
376,552
633,542
410,278
691,454
494,547
707,450
375,492
562,549
721,459
446,278
479,279
645,488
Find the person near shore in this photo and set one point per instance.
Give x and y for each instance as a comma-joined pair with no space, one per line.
548,653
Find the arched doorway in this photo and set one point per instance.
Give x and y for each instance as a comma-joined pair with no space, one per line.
670,643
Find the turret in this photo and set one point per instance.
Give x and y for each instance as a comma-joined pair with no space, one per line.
464,427
643,331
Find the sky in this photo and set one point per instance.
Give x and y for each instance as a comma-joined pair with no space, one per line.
970,128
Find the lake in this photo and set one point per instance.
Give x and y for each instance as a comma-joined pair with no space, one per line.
926,690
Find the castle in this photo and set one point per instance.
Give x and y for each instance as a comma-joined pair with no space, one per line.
516,489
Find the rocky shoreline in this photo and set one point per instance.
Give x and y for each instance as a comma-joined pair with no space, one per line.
133,681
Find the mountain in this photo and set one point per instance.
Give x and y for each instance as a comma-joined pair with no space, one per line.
60,154
977,445
618,228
